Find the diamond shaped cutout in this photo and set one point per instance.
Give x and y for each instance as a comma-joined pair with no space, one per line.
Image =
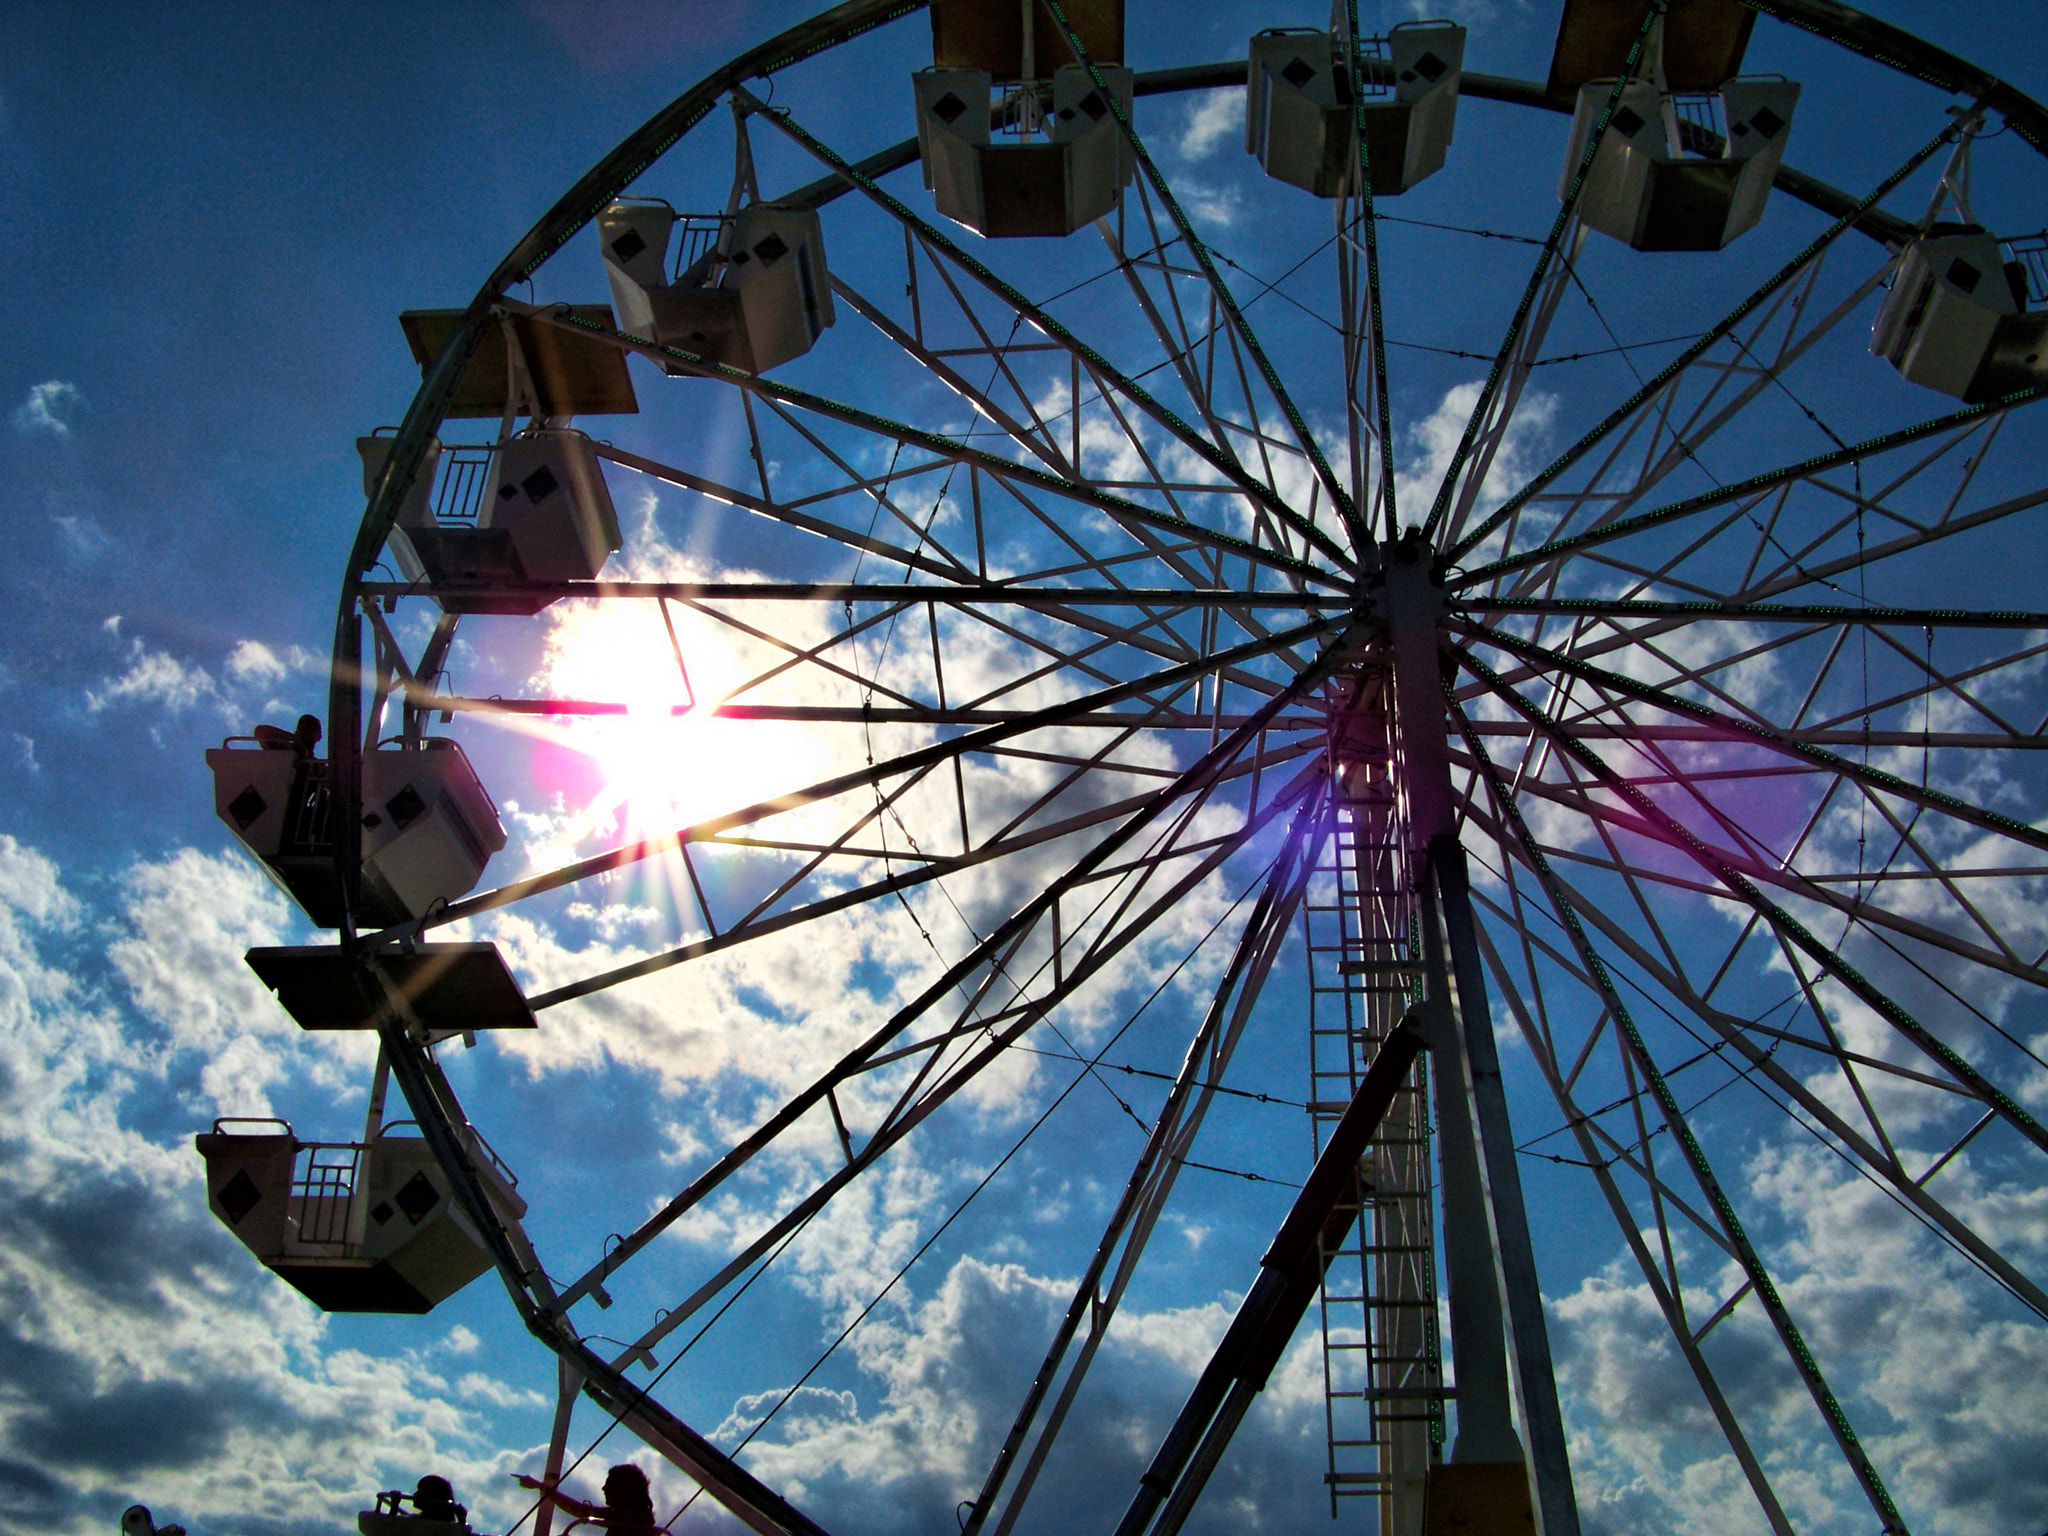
239,1196
771,250
246,807
540,485
1766,122
1431,68
405,807
1627,123
1094,105
947,108
382,1212
418,1197
1298,73
1964,276
628,245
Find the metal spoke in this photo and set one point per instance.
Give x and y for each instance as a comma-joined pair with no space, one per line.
1695,1155
1097,364
1567,213
1723,870
1667,376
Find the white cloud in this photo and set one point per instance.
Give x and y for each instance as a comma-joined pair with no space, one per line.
488,1389
1217,204
189,921
1950,1397
150,676
1473,13
48,408
154,677
948,1372
81,536
1213,119
1428,445
146,1353
253,662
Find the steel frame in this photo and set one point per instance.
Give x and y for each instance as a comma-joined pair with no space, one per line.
1204,614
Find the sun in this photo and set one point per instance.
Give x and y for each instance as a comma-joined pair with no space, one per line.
670,759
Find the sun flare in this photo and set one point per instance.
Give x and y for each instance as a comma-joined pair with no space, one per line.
668,760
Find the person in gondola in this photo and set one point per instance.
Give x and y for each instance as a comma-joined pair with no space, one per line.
628,1507
434,1499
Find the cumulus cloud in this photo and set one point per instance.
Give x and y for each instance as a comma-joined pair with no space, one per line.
251,661
143,1355
1429,444
946,1371
149,676
1950,1398
1212,120
154,677
48,409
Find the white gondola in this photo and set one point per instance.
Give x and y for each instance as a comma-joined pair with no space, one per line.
754,291
534,509
355,1226
1659,187
428,826
1015,184
551,501
1956,317
1301,121
1014,137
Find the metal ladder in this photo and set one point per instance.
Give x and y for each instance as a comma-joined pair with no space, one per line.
1382,1363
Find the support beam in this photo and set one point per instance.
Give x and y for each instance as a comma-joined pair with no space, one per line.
1316,1226
1490,1261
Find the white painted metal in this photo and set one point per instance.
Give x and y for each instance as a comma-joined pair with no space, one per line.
1949,298
549,495
1116,516
1650,189
1015,182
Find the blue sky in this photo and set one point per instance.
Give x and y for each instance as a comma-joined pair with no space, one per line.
212,216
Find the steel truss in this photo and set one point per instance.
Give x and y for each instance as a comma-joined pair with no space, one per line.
1612,750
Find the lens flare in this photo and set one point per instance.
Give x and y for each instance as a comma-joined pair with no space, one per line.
669,760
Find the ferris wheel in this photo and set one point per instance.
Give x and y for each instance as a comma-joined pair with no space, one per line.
1032,568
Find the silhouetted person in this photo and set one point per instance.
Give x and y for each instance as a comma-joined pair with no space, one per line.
628,1508
135,1521
300,740
434,1499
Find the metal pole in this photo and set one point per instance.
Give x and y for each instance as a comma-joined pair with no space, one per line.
1528,1339
1488,1259
570,1384
1486,1412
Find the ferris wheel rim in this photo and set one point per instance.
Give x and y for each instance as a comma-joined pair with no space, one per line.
442,374
1839,24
